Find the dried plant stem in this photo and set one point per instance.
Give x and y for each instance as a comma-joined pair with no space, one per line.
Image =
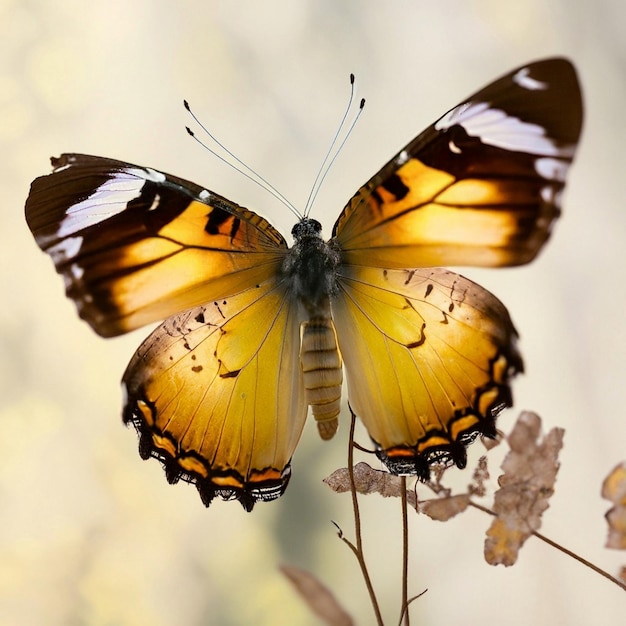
358,549
561,548
405,553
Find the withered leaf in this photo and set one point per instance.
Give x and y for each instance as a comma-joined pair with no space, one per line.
368,480
442,509
479,478
317,596
614,489
490,443
530,470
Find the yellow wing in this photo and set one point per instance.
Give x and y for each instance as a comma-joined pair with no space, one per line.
135,245
428,355
216,394
481,186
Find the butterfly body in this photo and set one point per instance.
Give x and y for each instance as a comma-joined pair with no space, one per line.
311,271
256,331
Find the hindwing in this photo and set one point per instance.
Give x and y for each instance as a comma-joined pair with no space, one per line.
216,394
428,357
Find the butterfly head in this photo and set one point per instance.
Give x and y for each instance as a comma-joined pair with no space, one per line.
306,228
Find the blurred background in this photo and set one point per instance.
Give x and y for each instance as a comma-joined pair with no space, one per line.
89,533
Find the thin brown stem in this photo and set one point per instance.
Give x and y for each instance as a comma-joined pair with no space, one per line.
358,549
561,548
405,553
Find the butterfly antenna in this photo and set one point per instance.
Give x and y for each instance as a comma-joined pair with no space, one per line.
245,169
315,191
333,143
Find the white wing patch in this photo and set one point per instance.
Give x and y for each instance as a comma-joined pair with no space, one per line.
494,127
111,198
552,169
65,249
454,148
402,158
525,80
148,174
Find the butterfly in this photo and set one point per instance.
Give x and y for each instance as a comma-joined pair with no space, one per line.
256,331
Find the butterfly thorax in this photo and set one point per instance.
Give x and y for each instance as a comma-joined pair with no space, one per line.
311,266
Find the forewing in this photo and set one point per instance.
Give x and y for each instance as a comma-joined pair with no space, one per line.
135,245
216,394
428,356
481,186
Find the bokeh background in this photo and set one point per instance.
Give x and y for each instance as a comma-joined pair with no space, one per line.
89,533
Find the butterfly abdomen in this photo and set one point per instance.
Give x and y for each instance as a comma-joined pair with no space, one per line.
321,367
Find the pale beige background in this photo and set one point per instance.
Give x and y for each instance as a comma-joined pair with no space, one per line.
89,533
